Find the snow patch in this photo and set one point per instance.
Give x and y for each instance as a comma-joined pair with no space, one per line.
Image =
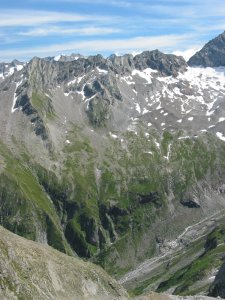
157,144
145,111
47,95
221,120
168,79
209,113
212,278
138,108
114,136
80,78
184,137
57,57
201,80
81,93
102,71
145,74
11,70
87,100
220,136
19,67
148,152
168,152
15,97
71,82
128,80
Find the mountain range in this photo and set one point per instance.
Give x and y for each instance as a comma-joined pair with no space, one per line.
120,161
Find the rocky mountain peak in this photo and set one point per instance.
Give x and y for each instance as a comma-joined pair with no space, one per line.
7,69
211,55
42,73
66,58
48,73
166,64
122,64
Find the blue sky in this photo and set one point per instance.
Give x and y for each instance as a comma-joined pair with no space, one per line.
51,27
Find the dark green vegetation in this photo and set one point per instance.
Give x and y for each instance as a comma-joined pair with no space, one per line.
106,207
43,105
25,207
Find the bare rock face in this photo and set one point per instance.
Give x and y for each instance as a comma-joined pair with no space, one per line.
218,288
166,64
191,202
122,64
33,271
211,55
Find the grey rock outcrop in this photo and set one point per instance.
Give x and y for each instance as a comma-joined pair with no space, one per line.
191,202
218,287
73,56
211,55
166,64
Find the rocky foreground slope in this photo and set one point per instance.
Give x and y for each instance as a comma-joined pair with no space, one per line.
33,271
113,158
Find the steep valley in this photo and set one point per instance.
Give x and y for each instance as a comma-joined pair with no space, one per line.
119,161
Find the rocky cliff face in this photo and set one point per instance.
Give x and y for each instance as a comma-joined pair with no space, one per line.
211,55
217,289
111,158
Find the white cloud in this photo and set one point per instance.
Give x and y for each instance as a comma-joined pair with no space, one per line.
136,44
188,53
117,3
12,18
68,31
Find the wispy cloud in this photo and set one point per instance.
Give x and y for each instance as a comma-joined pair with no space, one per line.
161,42
118,3
88,31
35,17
